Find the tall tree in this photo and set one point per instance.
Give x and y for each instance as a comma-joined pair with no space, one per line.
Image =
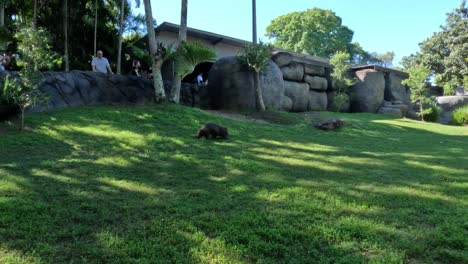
315,31
2,13
254,22
445,52
95,26
65,33
177,82
121,29
160,95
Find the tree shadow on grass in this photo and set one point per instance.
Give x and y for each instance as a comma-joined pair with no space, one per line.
164,196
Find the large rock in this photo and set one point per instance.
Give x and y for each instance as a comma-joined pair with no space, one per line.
77,88
286,103
395,91
316,83
368,93
299,94
396,109
282,58
314,70
317,101
231,86
293,72
450,103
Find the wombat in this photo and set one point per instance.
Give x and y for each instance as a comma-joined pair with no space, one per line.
212,130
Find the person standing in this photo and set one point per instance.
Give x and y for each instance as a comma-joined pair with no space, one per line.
100,63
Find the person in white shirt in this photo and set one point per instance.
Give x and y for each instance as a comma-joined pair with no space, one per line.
100,63
200,79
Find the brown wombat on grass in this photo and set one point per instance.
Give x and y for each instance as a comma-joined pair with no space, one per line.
212,130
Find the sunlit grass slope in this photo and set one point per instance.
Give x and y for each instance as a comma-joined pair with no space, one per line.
132,185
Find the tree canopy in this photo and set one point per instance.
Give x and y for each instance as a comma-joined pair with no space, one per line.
321,33
314,31
445,53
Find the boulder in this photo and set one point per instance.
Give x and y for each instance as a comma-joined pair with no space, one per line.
286,103
367,94
395,91
293,72
450,103
231,86
314,70
299,94
317,101
316,83
282,58
78,88
398,110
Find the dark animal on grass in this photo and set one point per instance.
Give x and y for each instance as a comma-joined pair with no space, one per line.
213,131
330,124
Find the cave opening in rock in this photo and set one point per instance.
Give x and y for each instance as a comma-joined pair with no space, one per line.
203,68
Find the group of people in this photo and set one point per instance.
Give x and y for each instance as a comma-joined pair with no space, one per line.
101,64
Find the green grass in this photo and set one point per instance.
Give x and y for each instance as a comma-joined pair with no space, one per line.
132,185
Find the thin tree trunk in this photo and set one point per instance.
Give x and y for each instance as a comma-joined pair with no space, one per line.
177,82
22,119
65,32
2,14
95,26
35,11
183,21
119,52
254,22
160,95
258,93
421,109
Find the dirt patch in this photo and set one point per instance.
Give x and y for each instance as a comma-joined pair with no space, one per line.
240,117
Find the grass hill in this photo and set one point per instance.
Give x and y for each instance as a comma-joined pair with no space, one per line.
132,185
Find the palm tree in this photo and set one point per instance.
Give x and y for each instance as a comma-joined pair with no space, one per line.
160,95
65,33
2,12
186,57
119,52
254,22
95,26
177,82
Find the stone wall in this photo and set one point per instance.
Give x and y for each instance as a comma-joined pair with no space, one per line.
305,83
79,88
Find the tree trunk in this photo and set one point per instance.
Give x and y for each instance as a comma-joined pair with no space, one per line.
22,119
175,91
177,82
254,22
158,89
65,32
183,21
2,14
258,92
95,26
421,109
119,52
35,11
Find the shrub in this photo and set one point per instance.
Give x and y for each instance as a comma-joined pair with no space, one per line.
431,111
341,66
460,115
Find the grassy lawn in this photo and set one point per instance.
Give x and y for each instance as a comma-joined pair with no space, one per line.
132,185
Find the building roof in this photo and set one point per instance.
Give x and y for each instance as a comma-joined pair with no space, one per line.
210,37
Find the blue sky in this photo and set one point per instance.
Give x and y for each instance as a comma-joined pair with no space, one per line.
378,25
